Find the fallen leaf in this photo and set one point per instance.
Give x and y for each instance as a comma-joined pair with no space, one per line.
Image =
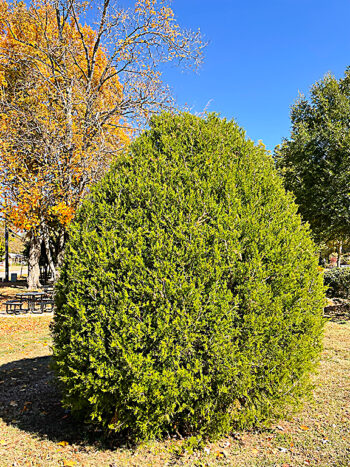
13,404
69,463
3,442
255,451
63,443
304,427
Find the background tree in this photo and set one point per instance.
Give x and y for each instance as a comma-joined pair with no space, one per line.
315,160
70,98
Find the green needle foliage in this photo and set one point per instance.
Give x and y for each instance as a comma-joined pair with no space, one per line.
190,298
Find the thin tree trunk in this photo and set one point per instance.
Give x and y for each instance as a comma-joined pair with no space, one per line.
340,249
52,266
33,265
60,255
7,267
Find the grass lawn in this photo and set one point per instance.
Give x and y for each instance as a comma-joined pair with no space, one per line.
36,431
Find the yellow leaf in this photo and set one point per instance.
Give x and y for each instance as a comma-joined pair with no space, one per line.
63,443
69,463
3,442
304,427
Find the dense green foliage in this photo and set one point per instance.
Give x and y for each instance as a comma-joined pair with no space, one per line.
338,282
315,161
190,297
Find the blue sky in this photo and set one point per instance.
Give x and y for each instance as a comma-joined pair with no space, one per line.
260,55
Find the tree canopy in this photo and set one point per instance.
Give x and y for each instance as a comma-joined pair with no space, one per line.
70,95
315,159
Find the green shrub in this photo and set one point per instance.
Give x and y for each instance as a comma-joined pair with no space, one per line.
338,282
190,298
346,258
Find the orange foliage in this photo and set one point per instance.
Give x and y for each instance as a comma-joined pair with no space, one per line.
52,142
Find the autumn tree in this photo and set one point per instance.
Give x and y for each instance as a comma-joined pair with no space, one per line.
315,160
71,95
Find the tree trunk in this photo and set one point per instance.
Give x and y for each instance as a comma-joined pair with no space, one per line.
340,245
52,266
34,257
60,255
7,268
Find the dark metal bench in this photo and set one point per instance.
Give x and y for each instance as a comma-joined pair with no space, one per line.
14,307
47,305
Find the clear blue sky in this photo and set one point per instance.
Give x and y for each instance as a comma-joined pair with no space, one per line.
260,54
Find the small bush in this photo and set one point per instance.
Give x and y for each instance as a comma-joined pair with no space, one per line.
338,282
346,258
190,298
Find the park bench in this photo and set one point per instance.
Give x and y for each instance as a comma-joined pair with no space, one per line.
15,307
47,305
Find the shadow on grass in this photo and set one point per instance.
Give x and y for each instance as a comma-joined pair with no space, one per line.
338,310
13,285
340,317
30,400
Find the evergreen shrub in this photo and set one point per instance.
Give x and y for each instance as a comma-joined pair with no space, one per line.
190,298
338,282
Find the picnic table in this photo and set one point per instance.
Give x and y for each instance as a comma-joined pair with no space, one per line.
32,298
37,302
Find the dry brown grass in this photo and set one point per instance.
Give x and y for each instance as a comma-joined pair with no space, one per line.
36,431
